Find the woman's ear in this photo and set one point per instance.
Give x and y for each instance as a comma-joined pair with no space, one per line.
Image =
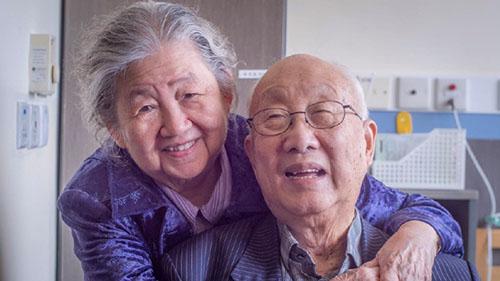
370,128
230,95
116,136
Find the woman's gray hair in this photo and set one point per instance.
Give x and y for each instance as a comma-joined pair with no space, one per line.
134,33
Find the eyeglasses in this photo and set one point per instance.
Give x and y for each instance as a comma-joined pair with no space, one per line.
321,115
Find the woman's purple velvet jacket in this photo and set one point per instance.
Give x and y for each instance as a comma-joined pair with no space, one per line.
122,223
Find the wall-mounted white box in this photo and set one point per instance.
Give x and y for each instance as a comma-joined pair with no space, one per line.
43,71
414,93
379,91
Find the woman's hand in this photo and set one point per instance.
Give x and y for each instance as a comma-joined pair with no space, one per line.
409,254
366,272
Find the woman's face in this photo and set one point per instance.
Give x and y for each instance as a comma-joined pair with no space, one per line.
172,117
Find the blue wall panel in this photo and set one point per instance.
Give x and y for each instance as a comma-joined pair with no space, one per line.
479,126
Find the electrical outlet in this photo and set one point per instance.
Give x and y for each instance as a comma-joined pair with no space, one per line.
451,88
414,93
378,92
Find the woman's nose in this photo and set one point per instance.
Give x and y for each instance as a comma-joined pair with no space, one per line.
175,121
300,136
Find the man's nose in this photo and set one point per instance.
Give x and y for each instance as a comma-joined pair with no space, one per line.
175,120
300,136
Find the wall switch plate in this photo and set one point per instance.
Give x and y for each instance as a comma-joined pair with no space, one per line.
23,125
414,93
482,93
379,93
35,126
451,88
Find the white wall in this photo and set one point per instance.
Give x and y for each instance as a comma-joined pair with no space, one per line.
27,177
445,37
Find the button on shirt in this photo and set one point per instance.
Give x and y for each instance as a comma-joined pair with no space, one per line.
206,217
297,264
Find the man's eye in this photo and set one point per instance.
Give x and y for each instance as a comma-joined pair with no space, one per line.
187,96
276,116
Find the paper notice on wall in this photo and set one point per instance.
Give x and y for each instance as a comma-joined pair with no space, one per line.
251,73
39,65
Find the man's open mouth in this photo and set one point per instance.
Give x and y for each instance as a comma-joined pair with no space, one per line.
304,173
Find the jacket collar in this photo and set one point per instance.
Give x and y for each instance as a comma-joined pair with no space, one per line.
261,258
246,198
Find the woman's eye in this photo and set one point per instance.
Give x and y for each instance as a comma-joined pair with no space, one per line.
146,108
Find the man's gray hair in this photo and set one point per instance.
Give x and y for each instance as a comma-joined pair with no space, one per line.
134,33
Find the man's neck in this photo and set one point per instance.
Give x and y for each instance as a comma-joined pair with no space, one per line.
324,238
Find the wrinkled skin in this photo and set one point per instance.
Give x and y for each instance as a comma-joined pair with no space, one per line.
367,272
408,255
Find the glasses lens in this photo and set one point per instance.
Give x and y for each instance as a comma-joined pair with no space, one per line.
271,121
325,114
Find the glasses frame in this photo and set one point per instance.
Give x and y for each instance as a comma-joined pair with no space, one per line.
290,119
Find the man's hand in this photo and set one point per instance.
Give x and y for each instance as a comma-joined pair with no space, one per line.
366,272
409,254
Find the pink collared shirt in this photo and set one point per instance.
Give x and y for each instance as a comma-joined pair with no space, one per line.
206,217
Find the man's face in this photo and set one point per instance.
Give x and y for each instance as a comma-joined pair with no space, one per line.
305,171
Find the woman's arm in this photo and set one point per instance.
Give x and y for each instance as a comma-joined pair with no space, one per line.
388,209
419,229
109,249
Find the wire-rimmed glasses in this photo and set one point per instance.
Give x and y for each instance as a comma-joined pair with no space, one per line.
320,115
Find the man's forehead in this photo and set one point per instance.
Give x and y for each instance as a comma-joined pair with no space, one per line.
312,90
295,94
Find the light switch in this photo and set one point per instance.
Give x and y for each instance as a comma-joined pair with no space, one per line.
35,133
378,91
23,125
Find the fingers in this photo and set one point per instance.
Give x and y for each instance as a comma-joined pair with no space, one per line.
367,272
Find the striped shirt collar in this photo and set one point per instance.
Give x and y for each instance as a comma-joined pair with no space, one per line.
297,263
207,216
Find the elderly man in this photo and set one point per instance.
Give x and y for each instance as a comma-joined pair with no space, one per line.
310,147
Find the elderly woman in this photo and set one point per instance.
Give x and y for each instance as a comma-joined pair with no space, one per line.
158,80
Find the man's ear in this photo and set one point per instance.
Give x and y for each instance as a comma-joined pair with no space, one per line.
116,136
248,144
370,128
